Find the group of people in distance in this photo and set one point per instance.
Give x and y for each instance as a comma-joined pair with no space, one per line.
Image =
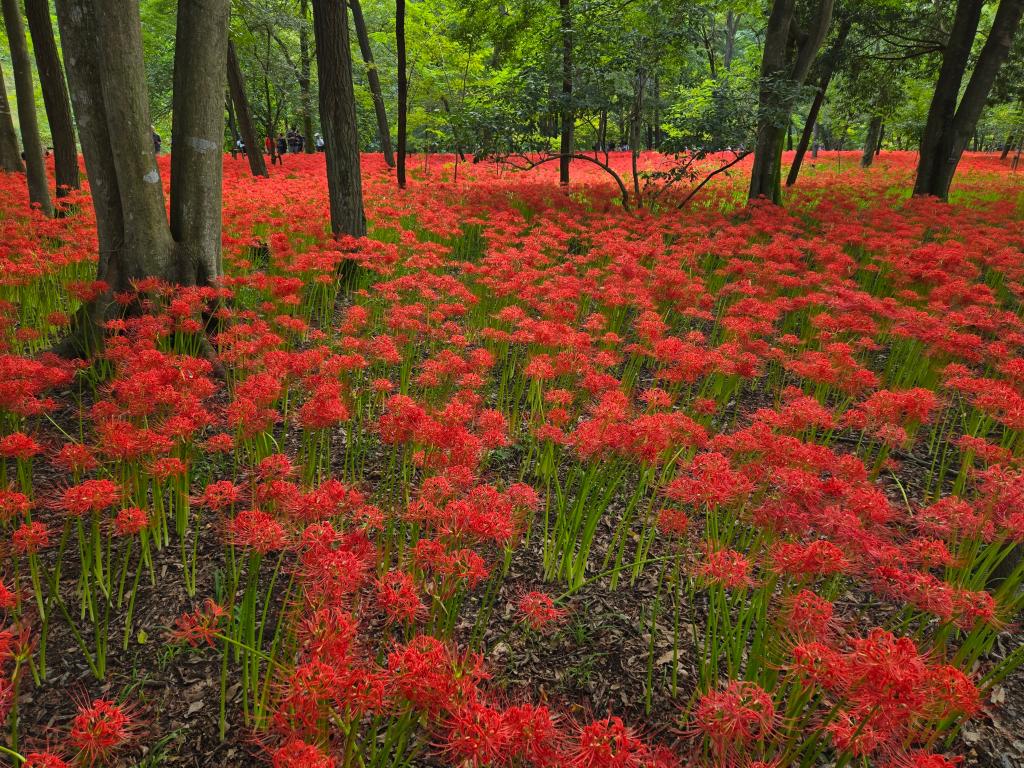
291,142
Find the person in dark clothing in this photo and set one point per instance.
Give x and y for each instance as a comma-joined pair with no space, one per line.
282,146
157,141
293,141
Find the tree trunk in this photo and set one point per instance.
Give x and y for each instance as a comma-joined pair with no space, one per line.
774,110
568,116
305,78
871,142
1007,146
78,32
949,127
10,154
338,117
38,187
148,246
55,96
373,78
198,137
236,84
403,88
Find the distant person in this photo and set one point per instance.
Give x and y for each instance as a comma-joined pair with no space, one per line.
292,141
240,145
157,141
268,145
318,142
282,147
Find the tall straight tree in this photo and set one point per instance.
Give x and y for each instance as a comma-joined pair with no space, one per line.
55,96
789,51
305,79
236,85
373,79
10,155
950,125
568,114
102,42
338,117
403,88
38,187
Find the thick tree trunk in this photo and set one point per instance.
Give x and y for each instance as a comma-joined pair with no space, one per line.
568,115
198,137
949,127
10,154
403,88
78,33
338,117
55,96
148,247
372,77
871,142
774,110
236,84
305,78
38,187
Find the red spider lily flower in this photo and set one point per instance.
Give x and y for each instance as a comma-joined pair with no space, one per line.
31,538
219,443
296,753
398,597
710,481
538,610
606,743
533,732
807,615
476,735
923,759
726,567
75,457
90,496
7,598
199,626
130,521
277,466
815,559
256,530
18,446
735,716
13,505
44,760
99,729
673,522
220,495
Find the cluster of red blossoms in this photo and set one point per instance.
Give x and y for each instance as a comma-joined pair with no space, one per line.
803,426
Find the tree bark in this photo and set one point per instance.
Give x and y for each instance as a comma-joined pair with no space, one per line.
871,142
198,137
305,78
373,78
403,88
775,109
10,154
732,23
38,186
236,84
338,117
78,32
55,96
568,116
949,127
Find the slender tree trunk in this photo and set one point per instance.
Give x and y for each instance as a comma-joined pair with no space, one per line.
338,117
10,154
198,137
568,117
305,78
236,84
403,88
1008,146
949,127
55,96
810,131
732,23
871,142
373,78
774,111
38,187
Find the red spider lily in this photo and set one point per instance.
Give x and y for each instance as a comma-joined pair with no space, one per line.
539,611
199,626
89,496
815,559
220,495
31,538
296,753
18,446
807,615
257,531
99,729
533,731
130,521
726,567
476,735
13,505
606,744
737,715
44,760
399,598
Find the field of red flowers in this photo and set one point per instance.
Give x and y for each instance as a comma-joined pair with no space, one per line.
540,483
